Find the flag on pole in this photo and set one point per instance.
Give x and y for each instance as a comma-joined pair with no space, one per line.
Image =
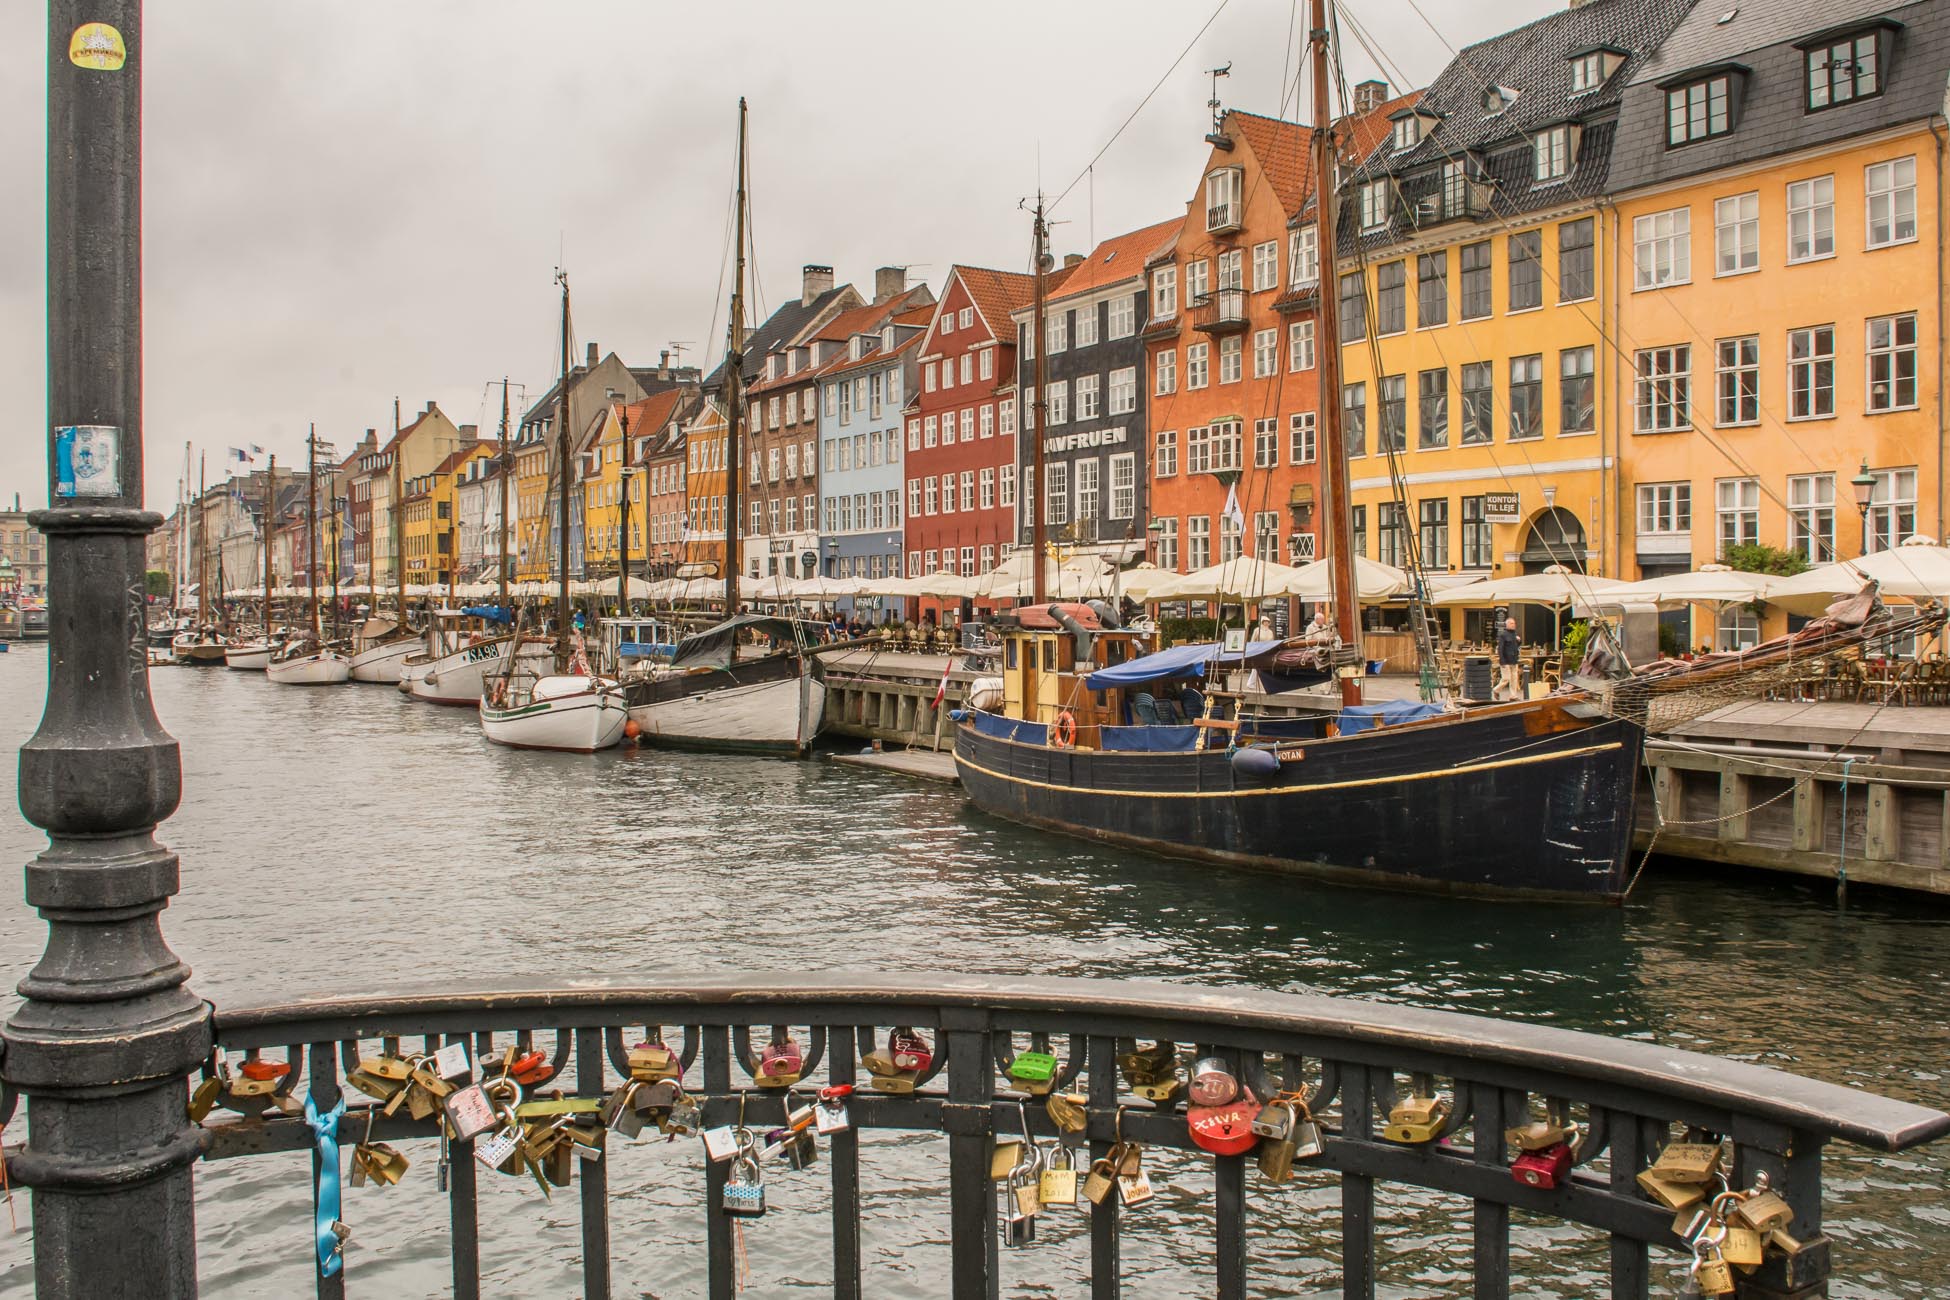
1234,515
941,691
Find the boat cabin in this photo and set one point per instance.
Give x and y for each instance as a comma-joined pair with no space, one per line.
630,642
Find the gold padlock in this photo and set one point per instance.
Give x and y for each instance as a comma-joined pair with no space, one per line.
1102,1177
1004,1159
388,1067
1416,1119
1163,1091
1742,1247
1764,1211
650,1062
1538,1134
1711,1271
379,1162
203,1098
1674,1196
1067,1110
1687,1162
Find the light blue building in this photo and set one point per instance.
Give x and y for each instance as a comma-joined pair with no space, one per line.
863,393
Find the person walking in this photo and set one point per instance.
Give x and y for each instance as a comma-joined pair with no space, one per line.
1510,675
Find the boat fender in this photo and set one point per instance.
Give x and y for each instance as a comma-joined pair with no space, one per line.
956,715
1063,732
1255,762
1075,629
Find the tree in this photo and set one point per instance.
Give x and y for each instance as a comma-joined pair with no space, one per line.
1758,557
156,582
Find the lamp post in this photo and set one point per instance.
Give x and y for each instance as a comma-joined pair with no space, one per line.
1865,497
623,542
107,1030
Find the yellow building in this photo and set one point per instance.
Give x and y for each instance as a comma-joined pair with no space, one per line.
413,453
1780,293
1473,304
429,537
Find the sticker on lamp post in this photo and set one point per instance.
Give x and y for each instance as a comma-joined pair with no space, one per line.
97,47
87,460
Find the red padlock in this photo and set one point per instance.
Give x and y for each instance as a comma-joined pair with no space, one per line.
1227,1129
532,1068
262,1070
1543,1169
781,1059
909,1050
838,1092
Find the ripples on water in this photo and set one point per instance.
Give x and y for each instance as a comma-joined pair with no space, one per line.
349,838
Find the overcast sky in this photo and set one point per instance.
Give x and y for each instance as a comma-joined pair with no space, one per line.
352,201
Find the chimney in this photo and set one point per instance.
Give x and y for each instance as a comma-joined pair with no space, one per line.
889,282
1370,95
430,406
470,433
1071,259
818,280
592,356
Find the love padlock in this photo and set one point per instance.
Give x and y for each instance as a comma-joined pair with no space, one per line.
530,1068
780,1063
1543,1169
1225,1129
909,1050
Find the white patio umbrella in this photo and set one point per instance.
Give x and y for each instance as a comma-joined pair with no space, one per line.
1710,584
1556,586
945,586
1075,580
1373,580
1252,578
883,586
1140,581
1917,570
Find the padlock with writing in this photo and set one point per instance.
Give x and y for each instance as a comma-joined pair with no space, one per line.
1213,1084
744,1189
1416,1120
1225,1129
1687,1163
1134,1189
1021,1204
469,1112
1057,1184
1711,1272
725,1142
650,1062
1763,1211
780,1063
909,1050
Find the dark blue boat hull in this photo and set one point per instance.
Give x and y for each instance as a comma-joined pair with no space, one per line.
1495,803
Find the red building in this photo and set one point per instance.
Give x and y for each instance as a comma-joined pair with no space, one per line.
961,425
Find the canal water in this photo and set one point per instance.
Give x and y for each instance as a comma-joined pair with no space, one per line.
350,839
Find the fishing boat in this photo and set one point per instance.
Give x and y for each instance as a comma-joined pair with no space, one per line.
308,660
249,656
570,707
200,645
711,697
464,651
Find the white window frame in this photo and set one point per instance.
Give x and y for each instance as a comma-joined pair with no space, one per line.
1302,438
1121,316
1266,266
1806,373
1811,516
1736,513
1303,256
1164,454
1736,380
1164,292
1736,234
1123,485
1883,357
1662,249
1266,353
1663,382
1890,186
1811,219
1122,397
1164,368
1553,154
1300,345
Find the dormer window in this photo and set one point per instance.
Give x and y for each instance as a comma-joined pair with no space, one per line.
856,348
1223,208
1498,98
1699,109
1408,132
1844,69
1592,68
775,365
1375,202
887,339
1556,153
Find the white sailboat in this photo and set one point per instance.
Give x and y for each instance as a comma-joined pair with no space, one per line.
254,655
249,656
383,649
461,660
307,660
572,709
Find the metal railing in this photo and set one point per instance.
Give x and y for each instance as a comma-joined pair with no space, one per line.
1351,1061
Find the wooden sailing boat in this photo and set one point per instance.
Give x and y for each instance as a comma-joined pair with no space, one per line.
308,661
255,655
1083,733
571,708
200,645
710,696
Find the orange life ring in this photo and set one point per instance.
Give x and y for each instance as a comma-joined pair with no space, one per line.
1064,733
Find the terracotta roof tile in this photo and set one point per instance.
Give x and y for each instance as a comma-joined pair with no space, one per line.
999,295
1284,151
1120,257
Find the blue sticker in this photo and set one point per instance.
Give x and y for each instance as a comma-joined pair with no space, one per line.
87,460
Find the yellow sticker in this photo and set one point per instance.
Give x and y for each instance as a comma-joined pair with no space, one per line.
98,47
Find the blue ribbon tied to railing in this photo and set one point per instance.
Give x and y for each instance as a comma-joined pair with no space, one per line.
325,1134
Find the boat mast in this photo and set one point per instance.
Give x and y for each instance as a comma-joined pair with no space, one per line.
270,526
734,382
1338,508
507,468
202,544
562,488
311,527
623,530
182,532
1032,421
398,529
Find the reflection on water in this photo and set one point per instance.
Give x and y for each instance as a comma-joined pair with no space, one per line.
348,837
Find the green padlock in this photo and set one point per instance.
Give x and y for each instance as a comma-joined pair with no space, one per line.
1033,1067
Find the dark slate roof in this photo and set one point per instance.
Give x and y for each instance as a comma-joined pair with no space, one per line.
1535,61
779,329
1772,117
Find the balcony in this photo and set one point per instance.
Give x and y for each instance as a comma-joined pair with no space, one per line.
1221,312
1457,200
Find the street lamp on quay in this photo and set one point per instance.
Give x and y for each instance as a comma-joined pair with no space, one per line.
1865,495
623,543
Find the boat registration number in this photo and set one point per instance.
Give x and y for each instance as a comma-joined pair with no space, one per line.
475,654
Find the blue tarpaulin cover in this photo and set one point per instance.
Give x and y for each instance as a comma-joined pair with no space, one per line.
492,613
1366,717
1149,739
1179,661
994,724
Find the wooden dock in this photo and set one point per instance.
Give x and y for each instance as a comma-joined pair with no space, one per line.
925,764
